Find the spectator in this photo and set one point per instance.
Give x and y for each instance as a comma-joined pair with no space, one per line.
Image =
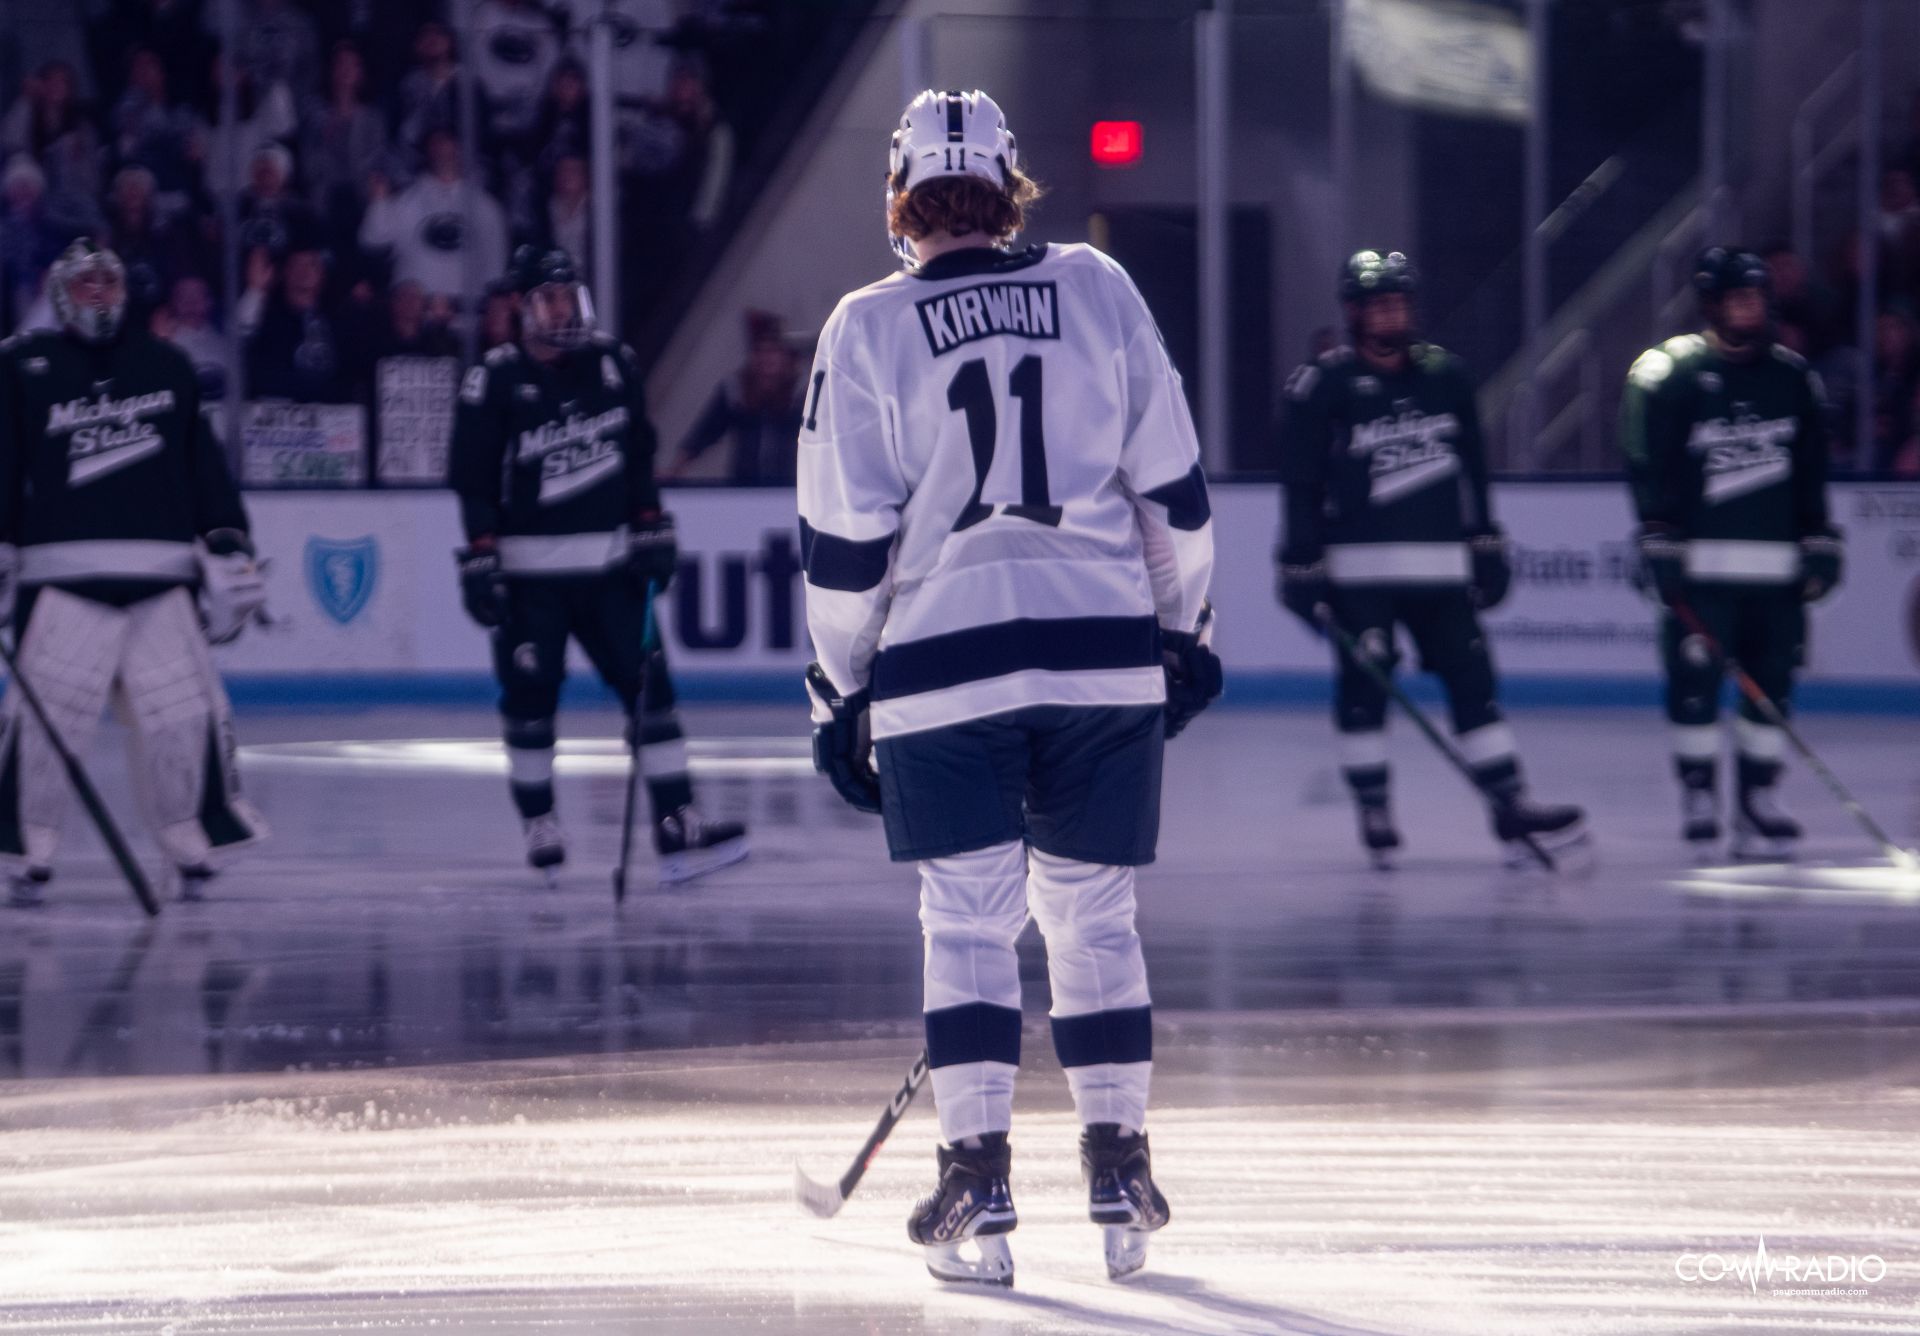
703,170
186,321
278,44
563,130
174,30
428,99
32,235
515,47
48,124
266,116
759,411
150,131
499,315
302,350
569,215
1896,368
137,232
343,144
269,211
1801,301
1899,231
641,59
436,224
410,331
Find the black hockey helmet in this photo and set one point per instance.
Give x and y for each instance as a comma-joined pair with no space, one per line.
1368,273
555,307
1719,270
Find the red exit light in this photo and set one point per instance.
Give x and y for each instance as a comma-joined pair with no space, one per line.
1116,143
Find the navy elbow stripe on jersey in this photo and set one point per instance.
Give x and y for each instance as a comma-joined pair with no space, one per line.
1125,1035
973,1032
843,563
1058,645
1185,500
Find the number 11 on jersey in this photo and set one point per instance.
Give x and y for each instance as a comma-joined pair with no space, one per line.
971,393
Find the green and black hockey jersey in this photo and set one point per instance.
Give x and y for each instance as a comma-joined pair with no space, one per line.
1385,475
1731,455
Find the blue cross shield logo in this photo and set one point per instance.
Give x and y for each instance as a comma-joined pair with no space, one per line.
341,574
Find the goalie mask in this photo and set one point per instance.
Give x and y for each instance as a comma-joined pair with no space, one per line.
555,307
948,134
87,287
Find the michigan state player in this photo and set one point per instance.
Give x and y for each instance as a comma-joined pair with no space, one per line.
1007,546
553,464
1726,453
1386,522
126,541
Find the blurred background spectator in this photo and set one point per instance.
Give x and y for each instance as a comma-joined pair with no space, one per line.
430,227
757,411
343,143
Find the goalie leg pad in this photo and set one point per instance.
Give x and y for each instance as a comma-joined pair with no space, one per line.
69,654
184,751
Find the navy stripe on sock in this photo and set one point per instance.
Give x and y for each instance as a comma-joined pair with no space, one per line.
973,1032
1125,1035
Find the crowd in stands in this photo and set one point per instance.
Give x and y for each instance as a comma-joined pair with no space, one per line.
362,227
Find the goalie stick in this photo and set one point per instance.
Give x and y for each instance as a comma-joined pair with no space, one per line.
89,796
1904,859
826,1199
1351,648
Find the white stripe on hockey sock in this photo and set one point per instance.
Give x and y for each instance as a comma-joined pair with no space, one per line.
1486,744
1111,1092
1364,751
1696,742
530,765
1758,742
973,1098
662,760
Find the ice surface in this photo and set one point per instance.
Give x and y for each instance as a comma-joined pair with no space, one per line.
381,1081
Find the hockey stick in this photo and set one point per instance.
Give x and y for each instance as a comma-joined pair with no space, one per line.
1351,648
1904,859
649,643
89,796
826,1199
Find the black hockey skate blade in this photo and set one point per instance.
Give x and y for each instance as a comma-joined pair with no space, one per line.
821,1199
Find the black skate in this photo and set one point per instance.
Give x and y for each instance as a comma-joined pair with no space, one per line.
27,887
1699,816
546,845
971,1201
1121,1195
691,846
1560,830
194,879
1762,832
1378,835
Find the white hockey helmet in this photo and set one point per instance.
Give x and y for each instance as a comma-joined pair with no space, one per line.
87,287
949,134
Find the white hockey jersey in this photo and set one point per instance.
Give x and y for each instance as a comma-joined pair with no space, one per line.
1001,501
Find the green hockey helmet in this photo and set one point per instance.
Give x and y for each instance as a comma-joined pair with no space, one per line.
1721,269
555,306
1368,273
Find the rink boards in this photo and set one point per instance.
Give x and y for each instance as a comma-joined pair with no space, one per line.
365,604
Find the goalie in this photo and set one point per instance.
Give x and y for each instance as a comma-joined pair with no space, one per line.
116,511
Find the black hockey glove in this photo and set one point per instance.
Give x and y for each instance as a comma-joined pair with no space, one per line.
1822,558
1662,572
483,590
843,741
653,551
1303,588
1194,679
1492,569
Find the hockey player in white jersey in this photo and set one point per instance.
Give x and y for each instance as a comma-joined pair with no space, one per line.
1007,543
116,509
